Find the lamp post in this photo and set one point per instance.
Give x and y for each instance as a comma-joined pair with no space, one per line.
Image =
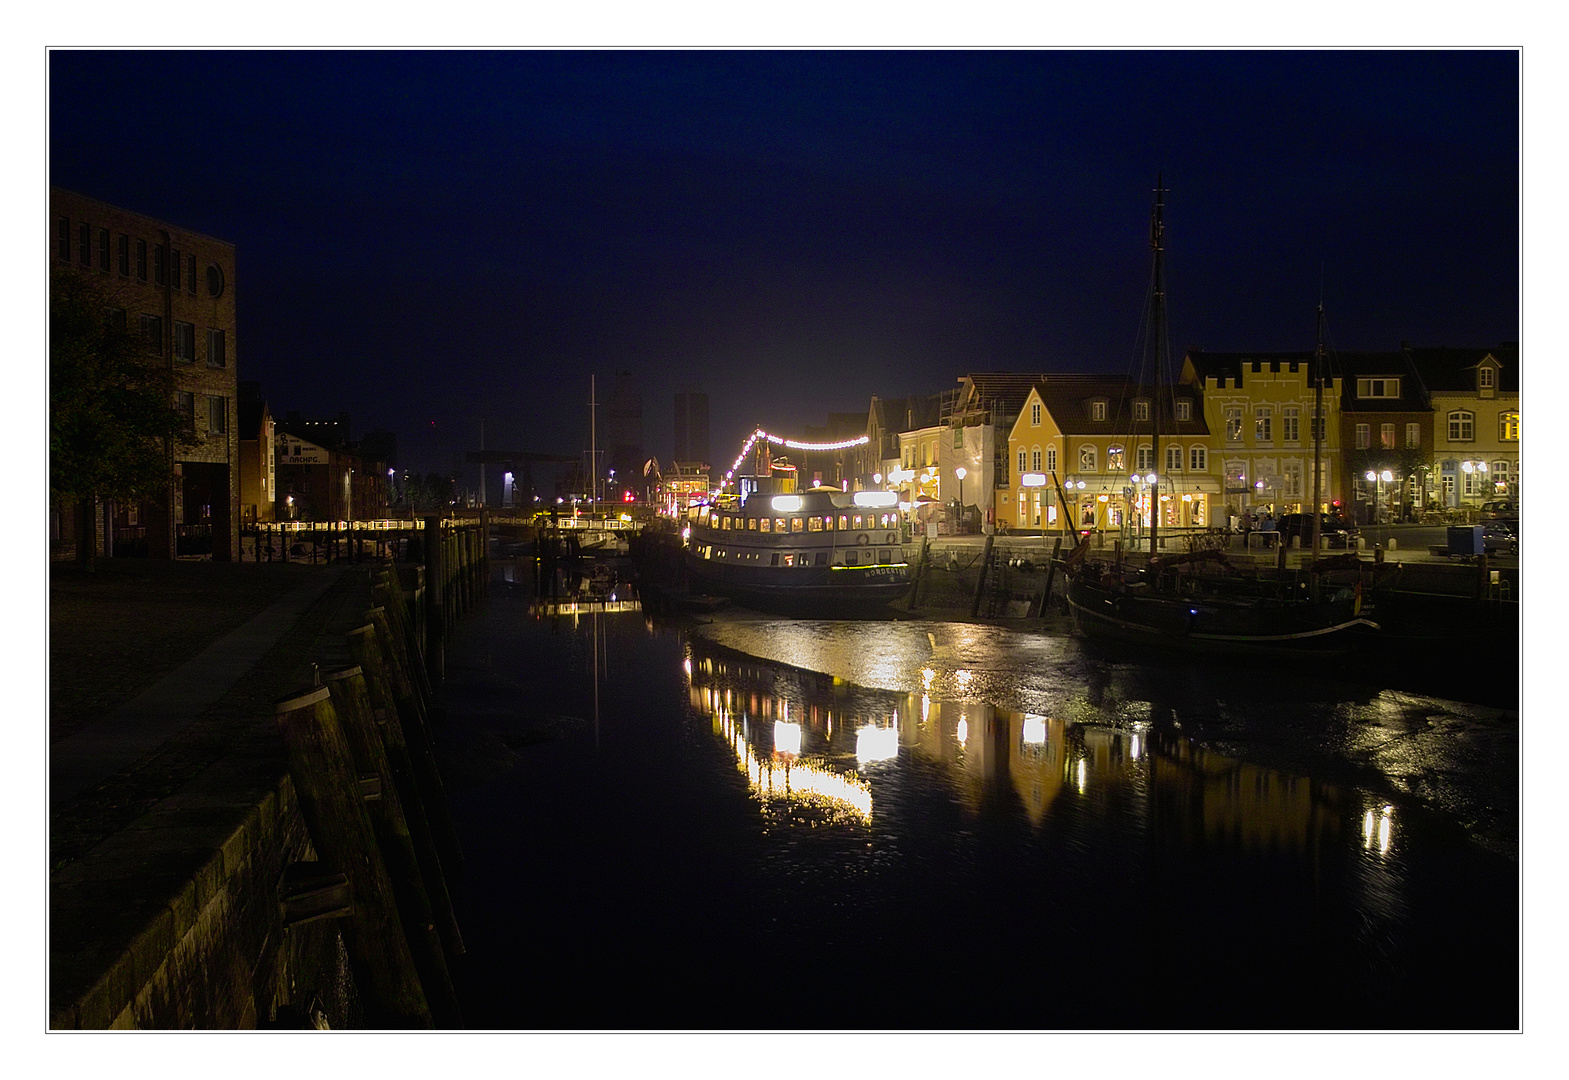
961,473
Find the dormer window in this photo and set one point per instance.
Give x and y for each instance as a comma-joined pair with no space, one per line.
1484,377
1184,409
1378,388
1098,409
1141,410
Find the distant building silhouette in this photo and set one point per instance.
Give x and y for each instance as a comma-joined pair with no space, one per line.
691,442
621,433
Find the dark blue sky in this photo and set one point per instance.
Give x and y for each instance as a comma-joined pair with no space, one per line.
433,236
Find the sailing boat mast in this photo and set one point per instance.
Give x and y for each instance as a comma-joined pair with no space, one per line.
1157,344
593,448
1318,429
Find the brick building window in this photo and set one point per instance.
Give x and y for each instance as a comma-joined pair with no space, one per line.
190,274
124,245
103,250
174,270
185,401
1386,436
185,341
1364,436
1413,436
217,415
141,260
152,333
64,248
216,356
160,264
85,244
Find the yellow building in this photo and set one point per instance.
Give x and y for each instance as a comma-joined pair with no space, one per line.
1260,407
1475,395
1097,436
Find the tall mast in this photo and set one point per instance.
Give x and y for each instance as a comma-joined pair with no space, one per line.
593,448
1157,341
1318,428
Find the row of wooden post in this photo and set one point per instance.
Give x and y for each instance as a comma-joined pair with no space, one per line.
457,573
363,764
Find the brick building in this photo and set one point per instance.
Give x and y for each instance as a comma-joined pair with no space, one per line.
178,287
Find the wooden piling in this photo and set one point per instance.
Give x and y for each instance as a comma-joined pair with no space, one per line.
980,581
436,609
350,697
327,786
366,650
1051,574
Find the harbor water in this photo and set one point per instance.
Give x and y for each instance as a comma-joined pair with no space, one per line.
762,823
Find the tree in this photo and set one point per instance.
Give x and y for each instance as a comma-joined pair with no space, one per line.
112,413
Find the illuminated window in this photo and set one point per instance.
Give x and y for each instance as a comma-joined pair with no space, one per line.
1386,436
1413,436
1509,426
1234,424
1173,459
765,525
1261,424
1114,459
1086,459
797,524
1364,436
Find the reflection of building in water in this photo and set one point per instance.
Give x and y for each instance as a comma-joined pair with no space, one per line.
788,742
1206,796
1037,762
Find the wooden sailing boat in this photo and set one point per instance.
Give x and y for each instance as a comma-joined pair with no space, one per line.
1169,601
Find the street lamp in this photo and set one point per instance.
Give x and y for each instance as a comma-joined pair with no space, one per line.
961,473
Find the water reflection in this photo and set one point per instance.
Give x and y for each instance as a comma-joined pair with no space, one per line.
814,740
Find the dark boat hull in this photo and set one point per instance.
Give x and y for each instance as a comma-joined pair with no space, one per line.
807,590
1216,625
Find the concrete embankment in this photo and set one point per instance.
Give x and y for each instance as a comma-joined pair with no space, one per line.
198,878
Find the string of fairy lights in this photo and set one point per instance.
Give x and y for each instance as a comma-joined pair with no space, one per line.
790,444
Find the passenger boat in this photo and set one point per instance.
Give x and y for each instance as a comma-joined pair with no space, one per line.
1174,601
819,551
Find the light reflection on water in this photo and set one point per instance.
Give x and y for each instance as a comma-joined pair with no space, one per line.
1162,833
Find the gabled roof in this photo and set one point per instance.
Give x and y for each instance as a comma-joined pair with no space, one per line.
1068,398
1003,392
1454,370
894,415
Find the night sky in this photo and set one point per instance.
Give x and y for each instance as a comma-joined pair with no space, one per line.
428,238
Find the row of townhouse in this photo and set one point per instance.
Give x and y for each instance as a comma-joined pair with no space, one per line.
177,288
1435,428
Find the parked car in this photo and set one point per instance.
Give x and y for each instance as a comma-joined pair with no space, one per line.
1336,531
1500,535
1501,510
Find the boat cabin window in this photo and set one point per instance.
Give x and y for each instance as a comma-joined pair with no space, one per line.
724,523
751,524
765,525
779,524
884,556
859,522
844,522
797,524
814,524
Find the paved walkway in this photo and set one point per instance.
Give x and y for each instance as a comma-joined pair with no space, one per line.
118,740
